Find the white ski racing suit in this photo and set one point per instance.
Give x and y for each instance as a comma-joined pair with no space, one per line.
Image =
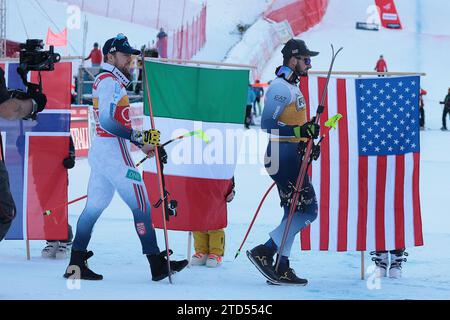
112,167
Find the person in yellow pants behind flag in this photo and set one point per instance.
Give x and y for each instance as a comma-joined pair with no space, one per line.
210,245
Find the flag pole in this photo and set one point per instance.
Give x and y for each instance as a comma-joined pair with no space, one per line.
158,165
189,248
362,266
28,249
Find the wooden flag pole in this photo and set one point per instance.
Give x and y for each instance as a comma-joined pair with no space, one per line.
208,63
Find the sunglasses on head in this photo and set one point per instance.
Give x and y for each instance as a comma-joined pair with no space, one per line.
119,37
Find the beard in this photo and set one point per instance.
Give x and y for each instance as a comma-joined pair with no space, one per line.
301,72
126,72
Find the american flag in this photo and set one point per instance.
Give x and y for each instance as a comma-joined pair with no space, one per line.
367,178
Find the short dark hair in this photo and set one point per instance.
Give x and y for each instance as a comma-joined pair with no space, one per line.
286,61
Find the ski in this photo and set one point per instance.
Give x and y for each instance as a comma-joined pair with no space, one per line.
305,162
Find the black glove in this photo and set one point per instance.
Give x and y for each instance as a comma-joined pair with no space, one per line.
301,148
162,155
315,152
40,99
69,162
310,130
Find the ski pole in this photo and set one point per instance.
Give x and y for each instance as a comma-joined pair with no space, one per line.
158,167
49,212
304,164
330,124
198,133
254,218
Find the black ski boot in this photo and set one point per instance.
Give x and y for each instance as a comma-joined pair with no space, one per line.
286,276
262,258
158,265
78,267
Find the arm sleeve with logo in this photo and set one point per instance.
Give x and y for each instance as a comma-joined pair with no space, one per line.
109,95
277,99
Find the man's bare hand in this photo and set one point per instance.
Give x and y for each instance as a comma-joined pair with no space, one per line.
149,150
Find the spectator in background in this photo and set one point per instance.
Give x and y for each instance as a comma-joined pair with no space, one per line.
381,65
148,53
259,92
421,109
95,56
161,44
446,110
251,97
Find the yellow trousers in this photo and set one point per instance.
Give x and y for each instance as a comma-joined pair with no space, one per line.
212,242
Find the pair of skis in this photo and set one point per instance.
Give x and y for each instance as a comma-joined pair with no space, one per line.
305,163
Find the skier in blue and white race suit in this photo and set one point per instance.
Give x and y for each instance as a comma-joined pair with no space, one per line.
285,119
112,167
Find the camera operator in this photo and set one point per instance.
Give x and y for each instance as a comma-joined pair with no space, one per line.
13,109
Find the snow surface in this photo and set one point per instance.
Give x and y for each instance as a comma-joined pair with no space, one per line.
222,19
331,275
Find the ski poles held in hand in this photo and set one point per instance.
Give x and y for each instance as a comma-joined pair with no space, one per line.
330,124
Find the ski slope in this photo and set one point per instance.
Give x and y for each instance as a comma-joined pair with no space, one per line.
31,20
420,47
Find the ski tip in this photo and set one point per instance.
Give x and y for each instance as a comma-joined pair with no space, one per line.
237,254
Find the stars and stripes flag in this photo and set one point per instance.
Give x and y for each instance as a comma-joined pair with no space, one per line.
367,178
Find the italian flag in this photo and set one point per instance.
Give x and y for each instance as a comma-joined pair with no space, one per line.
198,174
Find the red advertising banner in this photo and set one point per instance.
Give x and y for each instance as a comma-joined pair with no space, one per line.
79,130
56,85
46,187
301,14
388,14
